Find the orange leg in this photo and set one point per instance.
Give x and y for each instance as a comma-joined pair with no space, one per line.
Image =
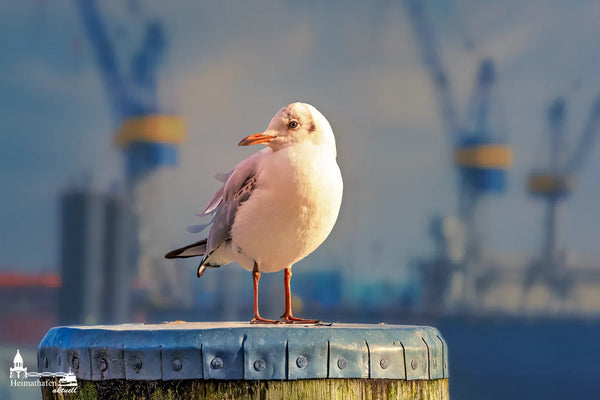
287,315
257,318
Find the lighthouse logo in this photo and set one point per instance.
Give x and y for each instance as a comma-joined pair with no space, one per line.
20,377
17,371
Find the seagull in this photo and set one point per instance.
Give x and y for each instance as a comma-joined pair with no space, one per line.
276,206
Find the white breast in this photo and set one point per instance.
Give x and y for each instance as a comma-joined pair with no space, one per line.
292,210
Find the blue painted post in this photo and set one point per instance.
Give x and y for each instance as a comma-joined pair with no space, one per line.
211,360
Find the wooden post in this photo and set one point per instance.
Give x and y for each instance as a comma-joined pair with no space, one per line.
235,360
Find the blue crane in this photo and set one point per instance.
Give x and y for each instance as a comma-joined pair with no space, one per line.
148,135
553,184
482,156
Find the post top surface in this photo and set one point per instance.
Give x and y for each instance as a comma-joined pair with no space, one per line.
184,325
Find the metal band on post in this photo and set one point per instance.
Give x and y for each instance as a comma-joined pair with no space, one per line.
362,356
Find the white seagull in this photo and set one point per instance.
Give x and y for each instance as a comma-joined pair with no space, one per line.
276,206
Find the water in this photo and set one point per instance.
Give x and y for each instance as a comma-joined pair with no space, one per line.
522,357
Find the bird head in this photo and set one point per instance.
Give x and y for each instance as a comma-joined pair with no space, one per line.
294,124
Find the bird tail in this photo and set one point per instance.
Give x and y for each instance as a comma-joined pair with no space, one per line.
193,250
201,269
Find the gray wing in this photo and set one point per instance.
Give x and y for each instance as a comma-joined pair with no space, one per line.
237,189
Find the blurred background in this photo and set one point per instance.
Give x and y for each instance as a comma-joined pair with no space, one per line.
467,138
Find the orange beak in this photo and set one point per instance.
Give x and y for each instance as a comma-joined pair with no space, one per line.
258,138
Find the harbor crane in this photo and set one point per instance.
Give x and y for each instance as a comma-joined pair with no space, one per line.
553,184
147,134
481,154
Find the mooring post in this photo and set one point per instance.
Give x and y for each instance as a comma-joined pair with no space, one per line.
236,360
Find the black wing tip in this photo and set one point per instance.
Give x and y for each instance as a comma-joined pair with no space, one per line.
173,254
177,252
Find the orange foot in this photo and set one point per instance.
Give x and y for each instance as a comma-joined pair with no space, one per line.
260,320
290,319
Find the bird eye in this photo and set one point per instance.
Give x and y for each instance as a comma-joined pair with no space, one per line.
293,124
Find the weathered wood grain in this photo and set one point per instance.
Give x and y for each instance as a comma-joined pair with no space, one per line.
319,389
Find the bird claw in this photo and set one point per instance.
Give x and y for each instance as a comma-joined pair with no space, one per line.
290,319
261,320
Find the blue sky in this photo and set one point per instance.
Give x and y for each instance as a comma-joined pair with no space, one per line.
230,67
